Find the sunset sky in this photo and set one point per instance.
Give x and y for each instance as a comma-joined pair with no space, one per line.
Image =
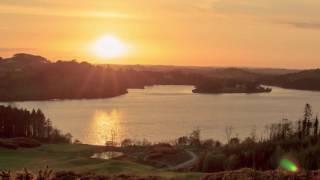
254,33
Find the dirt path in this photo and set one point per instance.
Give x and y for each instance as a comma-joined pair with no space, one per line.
187,164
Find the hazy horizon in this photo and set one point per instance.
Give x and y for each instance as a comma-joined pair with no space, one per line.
165,65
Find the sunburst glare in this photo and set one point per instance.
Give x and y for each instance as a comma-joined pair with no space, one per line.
109,46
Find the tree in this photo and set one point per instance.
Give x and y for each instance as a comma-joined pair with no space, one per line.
228,131
195,138
183,140
112,141
16,122
308,112
285,128
316,126
68,137
126,143
304,127
253,133
299,129
208,143
307,119
234,141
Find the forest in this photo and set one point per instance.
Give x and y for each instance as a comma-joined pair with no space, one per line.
15,122
302,80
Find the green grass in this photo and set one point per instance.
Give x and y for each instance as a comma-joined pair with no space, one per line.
77,158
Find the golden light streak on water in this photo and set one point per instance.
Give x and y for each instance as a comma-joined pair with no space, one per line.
102,127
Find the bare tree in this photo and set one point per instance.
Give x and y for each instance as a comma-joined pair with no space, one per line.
307,120
228,131
254,133
113,137
112,140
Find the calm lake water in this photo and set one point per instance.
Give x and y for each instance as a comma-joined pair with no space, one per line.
162,113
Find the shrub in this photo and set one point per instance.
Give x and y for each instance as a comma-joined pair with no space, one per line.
232,162
26,142
15,143
126,143
209,143
214,163
5,143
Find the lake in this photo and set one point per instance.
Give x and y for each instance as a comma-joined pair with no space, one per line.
163,113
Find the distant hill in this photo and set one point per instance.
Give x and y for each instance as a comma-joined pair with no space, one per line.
303,80
232,73
31,77
27,58
219,72
305,74
211,72
24,59
271,71
21,61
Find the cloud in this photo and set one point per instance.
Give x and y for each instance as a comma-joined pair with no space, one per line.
270,10
15,49
295,13
6,8
304,25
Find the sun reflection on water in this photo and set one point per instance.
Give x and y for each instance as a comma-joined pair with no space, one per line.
103,125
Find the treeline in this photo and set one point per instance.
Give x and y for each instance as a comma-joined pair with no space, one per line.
29,77
303,80
230,86
16,122
295,141
308,127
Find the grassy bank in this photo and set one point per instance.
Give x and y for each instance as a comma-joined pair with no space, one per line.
77,158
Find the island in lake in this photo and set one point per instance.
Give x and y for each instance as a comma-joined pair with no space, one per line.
231,87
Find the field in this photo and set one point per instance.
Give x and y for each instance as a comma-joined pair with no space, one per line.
77,158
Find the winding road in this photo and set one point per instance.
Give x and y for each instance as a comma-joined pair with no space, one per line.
187,164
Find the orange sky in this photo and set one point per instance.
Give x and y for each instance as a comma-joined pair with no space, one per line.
255,33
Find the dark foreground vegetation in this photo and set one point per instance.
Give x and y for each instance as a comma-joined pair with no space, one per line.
289,151
242,174
245,174
23,128
49,174
21,142
295,144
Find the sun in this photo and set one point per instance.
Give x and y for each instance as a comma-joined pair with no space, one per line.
109,46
